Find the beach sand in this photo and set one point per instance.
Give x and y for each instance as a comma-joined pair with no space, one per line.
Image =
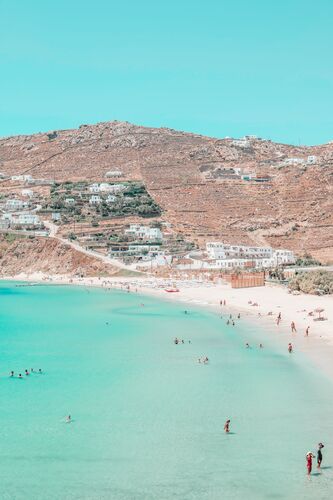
272,299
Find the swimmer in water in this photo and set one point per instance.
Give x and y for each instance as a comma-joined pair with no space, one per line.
26,372
11,374
238,316
233,323
290,348
68,419
31,370
261,346
185,312
227,426
40,370
20,375
247,345
228,322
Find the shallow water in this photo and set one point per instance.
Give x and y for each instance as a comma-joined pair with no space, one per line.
148,419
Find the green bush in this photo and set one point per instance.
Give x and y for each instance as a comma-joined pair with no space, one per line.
313,282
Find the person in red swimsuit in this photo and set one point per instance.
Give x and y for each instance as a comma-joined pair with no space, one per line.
309,457
227,426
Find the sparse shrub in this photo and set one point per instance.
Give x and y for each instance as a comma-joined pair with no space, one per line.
313,282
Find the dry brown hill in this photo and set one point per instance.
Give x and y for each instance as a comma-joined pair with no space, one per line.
187,175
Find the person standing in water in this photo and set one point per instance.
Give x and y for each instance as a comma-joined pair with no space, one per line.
293,327
68,419
309,457
227,426
319,455
290,348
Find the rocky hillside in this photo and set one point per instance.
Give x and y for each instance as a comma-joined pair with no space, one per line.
25,255
196,182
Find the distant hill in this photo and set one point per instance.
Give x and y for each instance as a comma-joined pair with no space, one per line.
287,202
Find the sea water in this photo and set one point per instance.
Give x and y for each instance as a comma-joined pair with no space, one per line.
147,417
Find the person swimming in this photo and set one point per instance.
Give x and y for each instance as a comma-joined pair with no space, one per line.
68,419
261,346
228,322
247,345
26,372
11,374
40,370
227,426
238,316
233,323
20,375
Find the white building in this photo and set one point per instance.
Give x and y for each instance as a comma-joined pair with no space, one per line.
70,201
312,159
113,173
27,220
14,204
283,257
27,192
24,177
293,161
94,188
111,198
144,232
241,143
219,250
56,216
226,255
95,200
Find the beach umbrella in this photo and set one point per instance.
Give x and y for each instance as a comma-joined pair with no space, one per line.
319,310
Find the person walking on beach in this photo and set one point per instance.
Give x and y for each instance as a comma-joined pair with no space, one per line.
319,455
307,331
309,457
278,319
227,426
224,302
293,327
290,348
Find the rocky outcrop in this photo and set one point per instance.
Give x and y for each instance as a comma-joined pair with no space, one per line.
25,255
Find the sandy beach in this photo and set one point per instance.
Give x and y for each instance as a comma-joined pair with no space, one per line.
260,305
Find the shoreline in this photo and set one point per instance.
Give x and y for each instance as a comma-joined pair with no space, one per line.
318,346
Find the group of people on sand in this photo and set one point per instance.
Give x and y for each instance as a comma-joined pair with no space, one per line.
26,372
310,456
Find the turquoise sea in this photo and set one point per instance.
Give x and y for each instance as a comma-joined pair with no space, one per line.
147,417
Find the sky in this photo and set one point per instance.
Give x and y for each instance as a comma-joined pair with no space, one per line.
214,67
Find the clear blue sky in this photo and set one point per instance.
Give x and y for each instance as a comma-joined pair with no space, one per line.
216,67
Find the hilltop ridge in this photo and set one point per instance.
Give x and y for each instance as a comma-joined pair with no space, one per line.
245,190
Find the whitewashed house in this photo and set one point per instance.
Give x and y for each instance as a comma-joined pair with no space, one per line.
111,198
56,216
312,160
70,201
144,232
222,255
23,177
114,174
293,161
95,200
94,188
27,219
14,204
27,193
